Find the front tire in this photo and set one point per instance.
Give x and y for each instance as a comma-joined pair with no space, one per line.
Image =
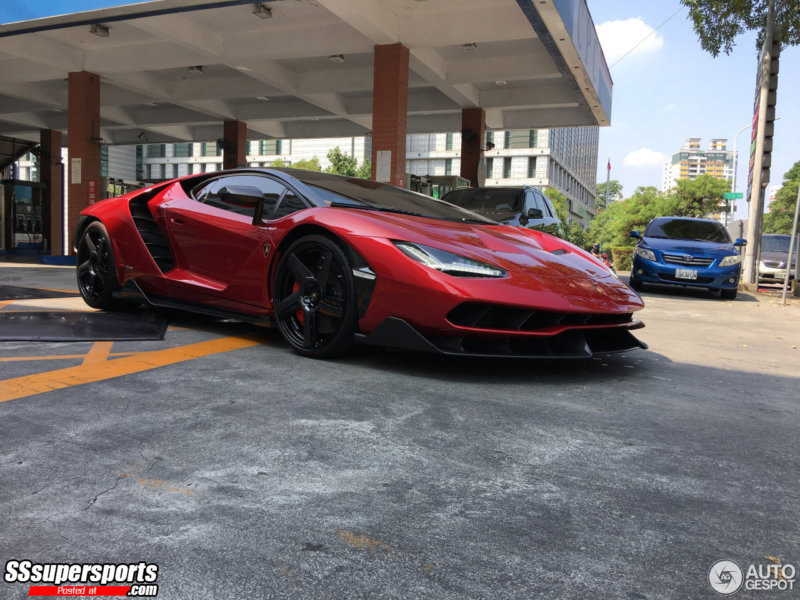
728,294
635,284
96,272
314,298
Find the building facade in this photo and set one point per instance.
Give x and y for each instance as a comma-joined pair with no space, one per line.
691,161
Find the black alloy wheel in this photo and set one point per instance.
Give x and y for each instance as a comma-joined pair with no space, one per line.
314,298
97,279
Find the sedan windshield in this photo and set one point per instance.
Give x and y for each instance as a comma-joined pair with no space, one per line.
688,229
488,201
775,243
350,192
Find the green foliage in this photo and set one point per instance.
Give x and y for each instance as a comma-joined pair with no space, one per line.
698,197
344,164
614,194
780,217
622,258
719,22
560,203
278,163
309,165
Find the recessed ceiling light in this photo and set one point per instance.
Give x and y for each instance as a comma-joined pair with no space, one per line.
241,68
501,83
150,104
196,70
337,58
470,46
262,98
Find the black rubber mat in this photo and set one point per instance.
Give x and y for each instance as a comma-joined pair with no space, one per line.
54,326
12,292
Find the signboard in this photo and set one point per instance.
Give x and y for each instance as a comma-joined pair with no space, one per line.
732,195
75,170
91,191
383,166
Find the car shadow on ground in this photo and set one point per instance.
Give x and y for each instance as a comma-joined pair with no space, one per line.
689,293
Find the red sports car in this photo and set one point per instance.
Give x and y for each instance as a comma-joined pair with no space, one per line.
334,261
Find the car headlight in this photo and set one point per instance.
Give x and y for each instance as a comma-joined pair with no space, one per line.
733,259
447,262
645,253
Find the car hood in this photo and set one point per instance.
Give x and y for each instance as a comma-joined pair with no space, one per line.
690,247
777,256
532,258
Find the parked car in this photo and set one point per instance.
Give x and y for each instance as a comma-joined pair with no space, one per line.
774,252
334,261
688,252
520,206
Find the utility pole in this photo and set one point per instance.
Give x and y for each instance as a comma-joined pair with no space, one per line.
608,179
761,144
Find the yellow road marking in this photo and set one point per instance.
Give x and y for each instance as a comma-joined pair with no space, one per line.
97,353
72,304
4,303
28,385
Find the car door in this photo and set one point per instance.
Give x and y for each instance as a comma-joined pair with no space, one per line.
218,248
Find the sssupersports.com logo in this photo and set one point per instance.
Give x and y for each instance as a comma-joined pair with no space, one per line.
140,576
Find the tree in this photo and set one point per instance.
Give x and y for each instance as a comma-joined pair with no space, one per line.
780,217
277,163
344,164
572,232
718,23
699,197
614,194
308,164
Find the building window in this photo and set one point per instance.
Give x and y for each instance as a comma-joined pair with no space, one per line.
448,143
489,167
448,166
182,150
532,138
507,139
489,138
156,150
506,168
270,147
210,149
531,167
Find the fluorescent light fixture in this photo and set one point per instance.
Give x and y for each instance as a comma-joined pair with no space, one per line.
262,98
99,30
470,46
501,83
337,58
197,70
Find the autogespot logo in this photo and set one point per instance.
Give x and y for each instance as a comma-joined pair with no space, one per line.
725,577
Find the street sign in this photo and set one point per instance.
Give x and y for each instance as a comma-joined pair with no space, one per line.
732,195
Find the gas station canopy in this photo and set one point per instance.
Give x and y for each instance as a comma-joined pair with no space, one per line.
175,70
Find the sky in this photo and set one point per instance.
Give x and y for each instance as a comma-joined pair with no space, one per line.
668,89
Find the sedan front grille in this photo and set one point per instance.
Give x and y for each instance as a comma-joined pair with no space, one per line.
687,259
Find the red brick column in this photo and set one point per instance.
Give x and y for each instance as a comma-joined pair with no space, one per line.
234,148
83,143
473,134
51,174
389,113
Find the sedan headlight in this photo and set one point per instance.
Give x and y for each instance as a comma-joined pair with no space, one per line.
733,259
645,253
447,262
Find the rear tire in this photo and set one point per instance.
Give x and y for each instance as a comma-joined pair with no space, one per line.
728,294
314,298
96,271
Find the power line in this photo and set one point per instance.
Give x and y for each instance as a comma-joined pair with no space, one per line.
645,38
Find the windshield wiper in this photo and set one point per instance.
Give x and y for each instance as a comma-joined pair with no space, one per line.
378,208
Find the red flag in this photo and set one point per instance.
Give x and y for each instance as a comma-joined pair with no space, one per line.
609,164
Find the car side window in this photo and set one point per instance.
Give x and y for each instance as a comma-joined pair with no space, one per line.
208,193
548,207
290,203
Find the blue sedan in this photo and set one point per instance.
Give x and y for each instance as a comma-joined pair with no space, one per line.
686,252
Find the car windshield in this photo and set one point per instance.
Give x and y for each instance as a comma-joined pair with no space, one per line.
775,243
485,201
351,192
686,229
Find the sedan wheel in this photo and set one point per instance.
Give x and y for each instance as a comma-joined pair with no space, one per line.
314,298
97,279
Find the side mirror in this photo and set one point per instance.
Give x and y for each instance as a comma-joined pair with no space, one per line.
740,242
535,213
635,234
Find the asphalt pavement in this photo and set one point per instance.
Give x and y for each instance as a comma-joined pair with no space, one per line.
245,471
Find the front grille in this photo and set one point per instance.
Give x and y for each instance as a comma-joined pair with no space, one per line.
695,261
666,277
491,316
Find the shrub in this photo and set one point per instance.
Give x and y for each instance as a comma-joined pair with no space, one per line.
622,257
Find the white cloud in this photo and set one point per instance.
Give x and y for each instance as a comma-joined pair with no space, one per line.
631,35
644,157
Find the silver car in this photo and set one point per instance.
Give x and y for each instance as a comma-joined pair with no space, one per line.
774,251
